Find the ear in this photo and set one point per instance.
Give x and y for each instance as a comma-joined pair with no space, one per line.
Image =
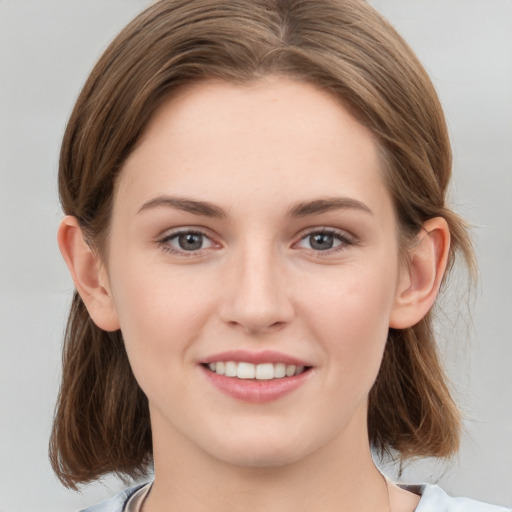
89,274
420,280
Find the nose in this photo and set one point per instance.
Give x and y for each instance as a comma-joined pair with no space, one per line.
256,297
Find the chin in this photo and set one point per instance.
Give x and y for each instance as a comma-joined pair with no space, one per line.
264,458
262,451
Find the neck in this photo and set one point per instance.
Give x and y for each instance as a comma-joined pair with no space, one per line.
340,475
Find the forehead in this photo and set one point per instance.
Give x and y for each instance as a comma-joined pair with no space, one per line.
248,139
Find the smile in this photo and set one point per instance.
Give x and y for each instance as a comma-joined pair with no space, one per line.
262,371
256,377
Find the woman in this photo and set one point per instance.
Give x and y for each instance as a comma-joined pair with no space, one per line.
257,230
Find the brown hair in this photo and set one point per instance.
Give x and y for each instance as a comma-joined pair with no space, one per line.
343,46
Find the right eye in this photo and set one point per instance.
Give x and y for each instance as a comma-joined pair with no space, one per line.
185,242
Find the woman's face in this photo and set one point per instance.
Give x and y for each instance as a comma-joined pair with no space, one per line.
253,238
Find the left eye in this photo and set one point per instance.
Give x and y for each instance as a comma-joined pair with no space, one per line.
323,241
187,241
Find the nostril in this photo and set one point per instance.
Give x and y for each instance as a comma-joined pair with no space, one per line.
262,327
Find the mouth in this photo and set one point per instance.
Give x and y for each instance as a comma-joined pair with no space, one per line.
249,371
256,377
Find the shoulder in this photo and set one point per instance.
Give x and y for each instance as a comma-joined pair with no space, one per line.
116,503
434,499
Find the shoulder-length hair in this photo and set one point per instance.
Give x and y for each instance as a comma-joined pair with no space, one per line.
343,46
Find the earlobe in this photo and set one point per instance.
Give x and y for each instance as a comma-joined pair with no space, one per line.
88,273
421,278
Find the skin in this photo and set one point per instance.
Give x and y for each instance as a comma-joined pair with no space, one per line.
256,154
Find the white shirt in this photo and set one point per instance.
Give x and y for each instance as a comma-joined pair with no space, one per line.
433,499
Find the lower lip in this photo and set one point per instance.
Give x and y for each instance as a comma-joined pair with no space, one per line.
256,391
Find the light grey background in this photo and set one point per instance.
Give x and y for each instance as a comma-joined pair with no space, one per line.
47,48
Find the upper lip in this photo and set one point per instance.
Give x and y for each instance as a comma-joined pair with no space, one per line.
265,356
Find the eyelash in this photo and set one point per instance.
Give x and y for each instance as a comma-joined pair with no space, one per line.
164,242
345,240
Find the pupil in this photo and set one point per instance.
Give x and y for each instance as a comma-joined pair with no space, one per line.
321,241
190,241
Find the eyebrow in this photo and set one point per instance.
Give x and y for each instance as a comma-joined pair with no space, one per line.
301,209
203,208
319,206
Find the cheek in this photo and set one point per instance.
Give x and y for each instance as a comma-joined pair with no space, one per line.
161,314
349,315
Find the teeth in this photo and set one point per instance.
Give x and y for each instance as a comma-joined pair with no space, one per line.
263,371
245,371
279,370
230,369
290,370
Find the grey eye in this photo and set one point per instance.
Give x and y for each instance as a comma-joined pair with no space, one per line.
190,241
321,241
